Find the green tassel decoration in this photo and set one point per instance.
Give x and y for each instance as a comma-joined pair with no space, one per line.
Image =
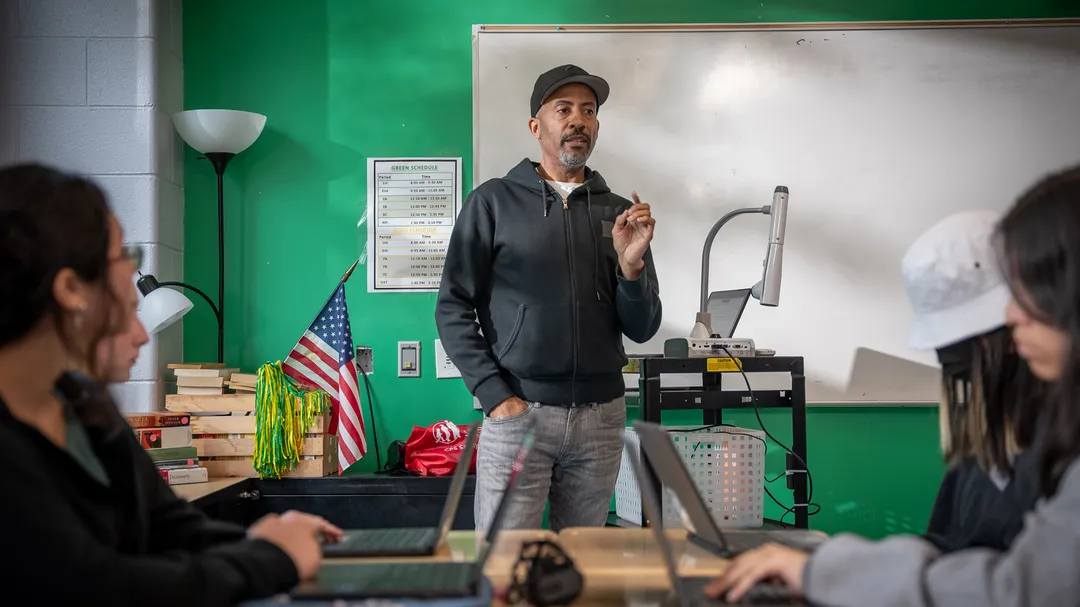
283,412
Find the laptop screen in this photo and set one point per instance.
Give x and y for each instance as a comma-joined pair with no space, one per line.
653,510
725,309
508,494
457,485
669,466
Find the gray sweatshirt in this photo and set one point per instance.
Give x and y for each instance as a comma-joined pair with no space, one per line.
1042,567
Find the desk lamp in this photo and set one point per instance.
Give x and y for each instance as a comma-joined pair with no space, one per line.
218,135
767,291
162,307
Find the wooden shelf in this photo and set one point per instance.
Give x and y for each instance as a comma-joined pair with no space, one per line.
232,456
210,403
245,446
323,465
240,424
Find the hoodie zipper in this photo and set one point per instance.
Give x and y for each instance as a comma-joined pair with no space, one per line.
568,236
573,298
567,233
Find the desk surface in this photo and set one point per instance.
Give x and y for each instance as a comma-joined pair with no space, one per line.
620,566
616,562
195,491
461,547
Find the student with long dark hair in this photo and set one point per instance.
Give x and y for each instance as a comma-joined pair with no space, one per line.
1039,242
89,520
990,399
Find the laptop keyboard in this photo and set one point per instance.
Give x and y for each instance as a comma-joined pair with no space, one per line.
413,579
744,541
388,539
760,594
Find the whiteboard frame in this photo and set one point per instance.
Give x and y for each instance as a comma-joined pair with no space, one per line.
495,29
485,29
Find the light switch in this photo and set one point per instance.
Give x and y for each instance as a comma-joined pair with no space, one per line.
408,359
444,367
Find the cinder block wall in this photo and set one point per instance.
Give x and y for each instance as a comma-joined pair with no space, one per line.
93,85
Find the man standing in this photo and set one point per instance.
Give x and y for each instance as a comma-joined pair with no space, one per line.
546,270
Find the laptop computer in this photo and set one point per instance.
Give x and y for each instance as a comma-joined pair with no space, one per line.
690,590
725,309
410,541
417,579
702,529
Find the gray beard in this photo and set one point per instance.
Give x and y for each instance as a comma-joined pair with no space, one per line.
572,161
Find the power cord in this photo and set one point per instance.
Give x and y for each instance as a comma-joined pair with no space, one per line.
371,414
811,507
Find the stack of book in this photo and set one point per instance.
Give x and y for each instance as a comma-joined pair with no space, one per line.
201,378
167,439
242,383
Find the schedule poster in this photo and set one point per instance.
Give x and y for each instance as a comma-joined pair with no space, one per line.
413,204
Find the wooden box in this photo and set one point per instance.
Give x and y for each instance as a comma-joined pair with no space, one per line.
230,454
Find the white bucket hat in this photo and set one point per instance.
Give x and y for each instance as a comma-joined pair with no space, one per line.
952,279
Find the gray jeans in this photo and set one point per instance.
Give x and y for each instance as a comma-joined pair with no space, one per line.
574,463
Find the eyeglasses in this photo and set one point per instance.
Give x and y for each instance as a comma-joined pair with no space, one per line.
132,252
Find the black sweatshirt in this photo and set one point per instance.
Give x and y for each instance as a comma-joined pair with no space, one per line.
972,511
69,539
543,284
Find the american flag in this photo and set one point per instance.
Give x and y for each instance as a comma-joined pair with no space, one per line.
324,358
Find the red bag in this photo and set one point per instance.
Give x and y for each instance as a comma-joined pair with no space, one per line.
436,449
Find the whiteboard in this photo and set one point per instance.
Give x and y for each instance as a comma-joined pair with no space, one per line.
877,132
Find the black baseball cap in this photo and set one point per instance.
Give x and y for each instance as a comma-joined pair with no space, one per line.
551,80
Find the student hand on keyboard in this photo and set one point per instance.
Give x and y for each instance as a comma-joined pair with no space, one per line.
768,563
298,535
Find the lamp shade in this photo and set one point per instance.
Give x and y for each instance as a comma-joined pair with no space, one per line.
161,308
219,131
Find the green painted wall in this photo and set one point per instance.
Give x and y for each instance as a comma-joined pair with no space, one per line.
341,80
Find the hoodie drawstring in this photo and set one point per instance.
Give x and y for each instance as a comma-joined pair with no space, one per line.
544,198
595,247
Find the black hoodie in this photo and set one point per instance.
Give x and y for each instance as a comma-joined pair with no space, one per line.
543,281
72,540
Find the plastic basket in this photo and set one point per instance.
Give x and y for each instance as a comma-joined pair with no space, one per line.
728,466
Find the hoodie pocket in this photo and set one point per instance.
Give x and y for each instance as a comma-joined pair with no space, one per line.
600,349
539,345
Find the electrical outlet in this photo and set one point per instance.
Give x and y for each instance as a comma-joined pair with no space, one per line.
364,359
444,367
408,359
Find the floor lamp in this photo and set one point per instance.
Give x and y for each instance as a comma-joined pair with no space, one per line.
219,135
